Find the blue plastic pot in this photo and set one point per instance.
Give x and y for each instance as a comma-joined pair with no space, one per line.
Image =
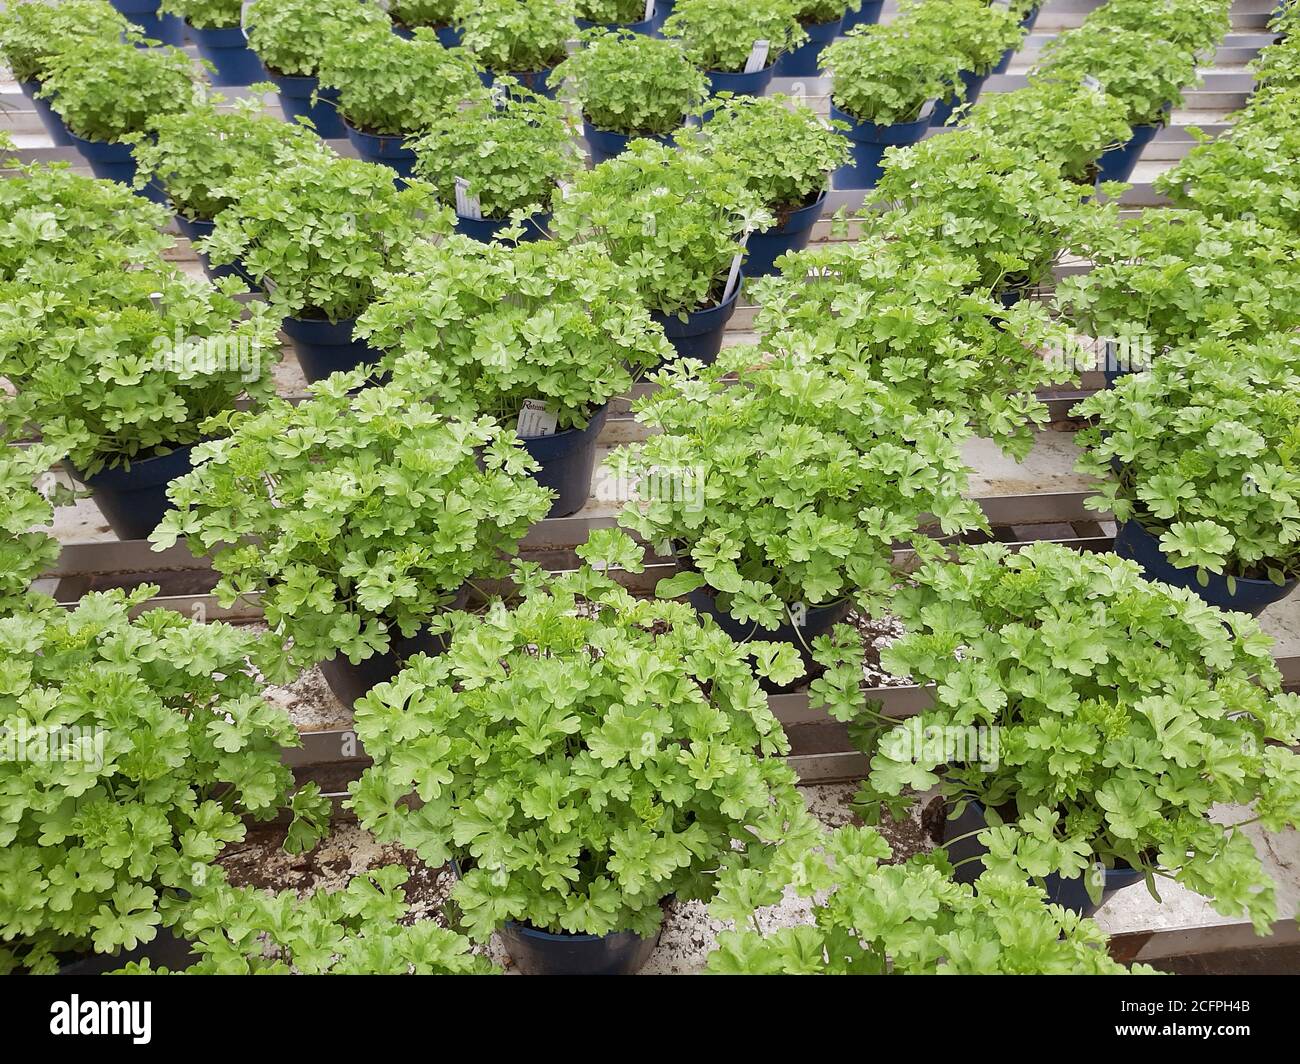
605,144
1004,64
567,460
196,229
295,99
868,142
169,29
350,682
545,953
766,248
867,15
227,50
115,162
1027,23
663,8
700,335
386,150
537,80
325,347
943,109
804,60
754,84
1070,894
134,500
1118,163
1253,596
645,26
448,36
49,117
486,230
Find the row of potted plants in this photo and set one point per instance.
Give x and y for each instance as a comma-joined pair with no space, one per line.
848,391
890,82
1199,444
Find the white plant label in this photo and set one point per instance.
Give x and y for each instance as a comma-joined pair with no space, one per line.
927,108
243,16
572,45
1089,82
733,278
467,206
757,57
535,419
649,10
1001,3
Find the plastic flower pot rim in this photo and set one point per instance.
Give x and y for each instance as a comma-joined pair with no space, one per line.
784,214
125,467
1144,521
458,870
1009,814
716,303
352,127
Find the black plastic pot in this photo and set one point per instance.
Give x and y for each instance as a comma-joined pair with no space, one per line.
115,162
325,347
754,84
1118,163
765,248
169,29
943,110
867,15
868,142
134,500
545,953
700,335
386,149
1253,596
645,26
567,459
804,60
817,621
606,144
295,100
350,682
196,229
1113,366
49,117
165,951
485,230
1070,894
227,50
